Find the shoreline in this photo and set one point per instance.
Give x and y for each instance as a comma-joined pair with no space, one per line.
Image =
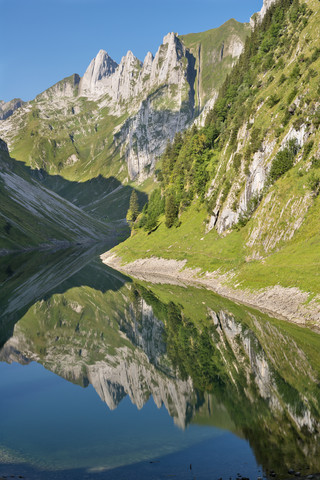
290,304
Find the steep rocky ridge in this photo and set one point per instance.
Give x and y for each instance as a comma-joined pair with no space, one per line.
117,119
275,120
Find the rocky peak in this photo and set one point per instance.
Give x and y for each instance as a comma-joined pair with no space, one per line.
100,68
147,63
167,63
8,108
259,16
169,38
122,84
66,88
129,64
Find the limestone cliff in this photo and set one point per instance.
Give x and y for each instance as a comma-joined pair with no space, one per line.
259,16
124,112
100,68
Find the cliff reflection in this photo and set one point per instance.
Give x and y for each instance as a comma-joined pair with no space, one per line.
207,360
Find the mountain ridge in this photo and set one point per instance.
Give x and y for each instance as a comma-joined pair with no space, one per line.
118,110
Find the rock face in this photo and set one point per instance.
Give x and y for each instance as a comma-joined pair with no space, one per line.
159,94
128,111
223,218
259,16
8,108
144,136
3,146
100,68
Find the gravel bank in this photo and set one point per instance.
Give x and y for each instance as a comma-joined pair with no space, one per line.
284,303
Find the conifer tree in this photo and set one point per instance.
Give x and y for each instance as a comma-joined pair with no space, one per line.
171,210
133,211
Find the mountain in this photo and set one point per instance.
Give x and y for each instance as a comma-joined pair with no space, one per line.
117,119
238,199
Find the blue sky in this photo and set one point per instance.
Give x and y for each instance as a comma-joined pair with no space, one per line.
43,41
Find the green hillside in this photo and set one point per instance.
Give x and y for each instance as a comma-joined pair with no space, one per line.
211,50
33,216
240,196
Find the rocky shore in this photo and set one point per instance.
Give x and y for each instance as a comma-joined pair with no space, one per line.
285,303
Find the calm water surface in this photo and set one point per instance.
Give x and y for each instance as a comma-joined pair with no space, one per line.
105,377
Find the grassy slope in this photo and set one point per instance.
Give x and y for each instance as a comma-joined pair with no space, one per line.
293,262
31,215
295,265
210,44
44,140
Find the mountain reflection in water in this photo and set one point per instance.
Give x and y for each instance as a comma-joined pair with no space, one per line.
210,362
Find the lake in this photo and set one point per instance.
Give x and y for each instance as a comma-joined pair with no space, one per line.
102,376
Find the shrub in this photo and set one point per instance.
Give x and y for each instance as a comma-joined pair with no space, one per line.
133,211
314,182
295,74
283,161
292,95
155,209
273,100
314,57
315,162
286,118
282,79
316,118
298,123
252,206
225,190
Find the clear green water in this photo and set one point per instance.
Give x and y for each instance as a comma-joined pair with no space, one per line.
105,377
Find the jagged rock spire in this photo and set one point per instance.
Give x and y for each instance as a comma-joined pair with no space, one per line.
100,68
